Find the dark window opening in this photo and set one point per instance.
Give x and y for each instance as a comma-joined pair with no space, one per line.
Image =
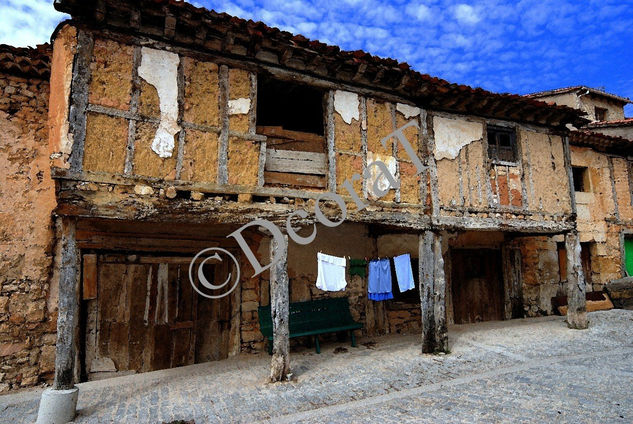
581,178
585,259
290,106
502,144
410,296
562,260
601,114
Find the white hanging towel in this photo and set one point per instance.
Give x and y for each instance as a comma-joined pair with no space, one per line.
331,272
404,273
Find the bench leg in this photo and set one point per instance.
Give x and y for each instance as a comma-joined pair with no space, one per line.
351,332
316,344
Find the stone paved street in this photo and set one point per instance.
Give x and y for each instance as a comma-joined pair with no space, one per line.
533,370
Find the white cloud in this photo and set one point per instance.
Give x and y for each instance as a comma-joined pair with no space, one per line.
419,11
466,14
28,22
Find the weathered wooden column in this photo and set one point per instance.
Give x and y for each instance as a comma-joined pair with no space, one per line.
279,309
59,403
432,293
439,294
68,308
576,284
426,273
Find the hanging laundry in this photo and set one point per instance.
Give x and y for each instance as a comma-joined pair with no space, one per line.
330,272
379,285
358,267
404,273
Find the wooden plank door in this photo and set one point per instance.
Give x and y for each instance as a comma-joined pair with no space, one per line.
477,285
146,316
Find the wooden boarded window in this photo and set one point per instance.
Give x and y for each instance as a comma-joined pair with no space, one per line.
502,144
291,116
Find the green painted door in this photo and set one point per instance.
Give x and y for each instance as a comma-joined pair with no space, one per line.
628,255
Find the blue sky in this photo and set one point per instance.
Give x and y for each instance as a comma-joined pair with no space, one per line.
503,46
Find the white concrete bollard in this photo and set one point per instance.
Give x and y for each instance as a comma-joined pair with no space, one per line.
57,406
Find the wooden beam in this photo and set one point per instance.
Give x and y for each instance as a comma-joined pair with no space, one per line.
279,310
295,180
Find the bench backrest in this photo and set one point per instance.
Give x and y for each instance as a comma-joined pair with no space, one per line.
313,314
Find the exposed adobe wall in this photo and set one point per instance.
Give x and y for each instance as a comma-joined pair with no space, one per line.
360,123
153,113
27,199
467,180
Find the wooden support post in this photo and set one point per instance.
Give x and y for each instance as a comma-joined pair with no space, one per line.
425,274
279,309
576,284
439,294
432,293
68,309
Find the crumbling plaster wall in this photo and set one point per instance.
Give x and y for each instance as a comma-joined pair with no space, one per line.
467,178
360,123
191,120
27,199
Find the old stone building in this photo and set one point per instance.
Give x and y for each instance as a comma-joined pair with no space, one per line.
601,155
28,299
172,128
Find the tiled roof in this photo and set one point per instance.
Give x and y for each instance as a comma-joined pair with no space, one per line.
182,24
26,61
594,91
626,122
601,142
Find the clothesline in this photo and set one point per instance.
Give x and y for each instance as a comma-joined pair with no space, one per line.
332,270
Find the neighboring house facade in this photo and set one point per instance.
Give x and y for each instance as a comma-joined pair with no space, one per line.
601,155
172,127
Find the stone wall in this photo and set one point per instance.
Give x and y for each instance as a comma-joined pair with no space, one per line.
353,240
27,199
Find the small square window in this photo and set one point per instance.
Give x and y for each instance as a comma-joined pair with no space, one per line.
502,144
601,114
581,179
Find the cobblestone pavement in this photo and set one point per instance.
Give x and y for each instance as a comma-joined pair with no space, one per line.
512,371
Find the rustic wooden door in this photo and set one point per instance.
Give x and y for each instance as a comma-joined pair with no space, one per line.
146,316
477,285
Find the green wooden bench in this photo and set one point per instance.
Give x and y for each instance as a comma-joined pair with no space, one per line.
311,319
